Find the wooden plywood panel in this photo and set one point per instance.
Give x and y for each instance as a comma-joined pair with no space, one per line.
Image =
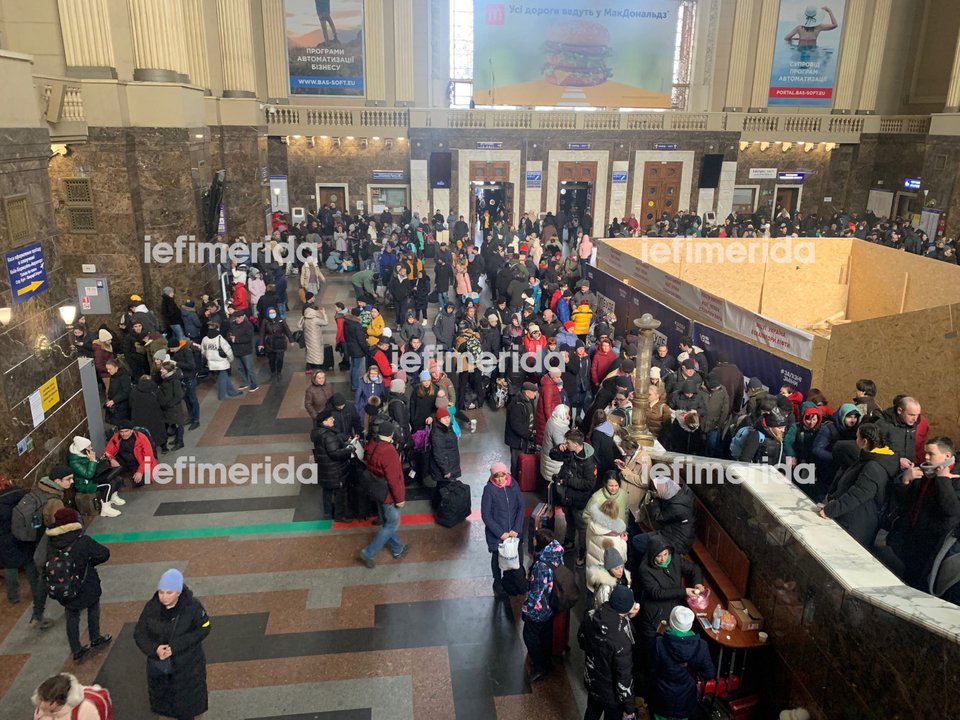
741,284
883,281
911,353
810,288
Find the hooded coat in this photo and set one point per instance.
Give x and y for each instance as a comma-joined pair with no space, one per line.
14,553
536,606
681,658
444,453
332,455
501,510
607,644
661,588
77,707
119,392
579,474
603,531
146,410
858,494
366,390
547,401
170,395
675,514
605,448
87,553
555,429
518,431
183,627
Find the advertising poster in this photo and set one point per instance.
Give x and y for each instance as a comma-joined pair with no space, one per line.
325,46
805,55
616,53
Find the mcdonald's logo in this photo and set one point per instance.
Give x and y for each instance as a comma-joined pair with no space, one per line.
496,14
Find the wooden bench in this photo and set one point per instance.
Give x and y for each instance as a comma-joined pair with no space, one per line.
726,566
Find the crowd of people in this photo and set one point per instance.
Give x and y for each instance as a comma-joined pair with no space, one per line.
897,233
567,394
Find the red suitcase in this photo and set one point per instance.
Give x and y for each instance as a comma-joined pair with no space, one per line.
529,468
744,708
561,632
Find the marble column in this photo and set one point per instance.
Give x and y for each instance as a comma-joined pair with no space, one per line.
875,52
853,23
275,51
953,90
87,43
742,39
236,48
158,45
195,41
403,48
374,63
766,38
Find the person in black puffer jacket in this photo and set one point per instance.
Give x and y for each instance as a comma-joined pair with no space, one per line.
67,534
578,480
675,514
173,625
444,451
147,412
346,419
170,394
858,494
332,454
423,401
660,582
682,657
607,642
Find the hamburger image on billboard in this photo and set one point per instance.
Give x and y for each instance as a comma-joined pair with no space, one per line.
576,54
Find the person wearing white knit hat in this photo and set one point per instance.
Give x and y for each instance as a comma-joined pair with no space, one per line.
87,479
682,657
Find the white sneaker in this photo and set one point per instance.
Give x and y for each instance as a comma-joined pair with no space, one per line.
473,426
115,499
109,510
424,322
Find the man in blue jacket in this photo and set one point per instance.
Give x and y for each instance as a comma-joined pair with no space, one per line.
682,657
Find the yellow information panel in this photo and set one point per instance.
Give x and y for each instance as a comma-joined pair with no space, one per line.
49,394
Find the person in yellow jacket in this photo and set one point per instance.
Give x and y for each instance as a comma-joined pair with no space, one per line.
582,317
375,328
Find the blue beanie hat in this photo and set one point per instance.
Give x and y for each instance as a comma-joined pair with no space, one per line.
425,375
172,579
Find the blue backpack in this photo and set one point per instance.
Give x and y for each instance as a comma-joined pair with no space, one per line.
736,444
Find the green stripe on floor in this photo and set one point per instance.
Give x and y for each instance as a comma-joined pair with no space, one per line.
206,532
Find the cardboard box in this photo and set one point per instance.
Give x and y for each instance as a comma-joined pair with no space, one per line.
747,615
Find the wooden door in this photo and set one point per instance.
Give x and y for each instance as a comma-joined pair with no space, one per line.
577,171
328,195
497,171
661,191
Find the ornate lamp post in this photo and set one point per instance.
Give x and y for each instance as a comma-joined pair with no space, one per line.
646,324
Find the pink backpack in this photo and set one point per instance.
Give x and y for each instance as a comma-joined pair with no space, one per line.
100,698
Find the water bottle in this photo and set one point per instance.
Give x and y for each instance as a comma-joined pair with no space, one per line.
717,617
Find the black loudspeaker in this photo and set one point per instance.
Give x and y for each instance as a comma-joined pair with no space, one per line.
440,163
710,170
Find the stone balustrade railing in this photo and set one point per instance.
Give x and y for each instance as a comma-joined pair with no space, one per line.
60,104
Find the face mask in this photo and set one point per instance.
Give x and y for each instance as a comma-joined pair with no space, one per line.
930,469
272,316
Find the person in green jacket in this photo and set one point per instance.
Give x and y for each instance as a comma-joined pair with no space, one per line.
86,481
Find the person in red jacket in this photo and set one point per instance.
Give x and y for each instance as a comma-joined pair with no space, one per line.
550,388
534,340
603,358
381,356
241,298
795,397
131,451
383,459
340,340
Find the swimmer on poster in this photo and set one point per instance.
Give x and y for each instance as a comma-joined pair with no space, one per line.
325,17
806,34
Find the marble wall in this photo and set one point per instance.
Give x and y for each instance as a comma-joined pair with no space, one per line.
816,182
24,157
832,652
241,152
324,163
145,181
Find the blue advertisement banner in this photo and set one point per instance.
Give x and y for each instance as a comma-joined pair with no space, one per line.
28,275
805,57
772,370
325,46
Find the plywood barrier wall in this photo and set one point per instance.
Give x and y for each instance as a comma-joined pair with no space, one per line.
813,287
818,356
807,290
915,353
884,281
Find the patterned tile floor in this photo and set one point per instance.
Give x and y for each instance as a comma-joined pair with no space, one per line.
300,629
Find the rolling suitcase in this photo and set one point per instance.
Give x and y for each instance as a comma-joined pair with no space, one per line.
528,465
541,517
561,632
327,358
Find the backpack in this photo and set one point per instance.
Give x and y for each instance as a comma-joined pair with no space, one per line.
453,503
26,522
100,698
63,577
564,594
736,445
372,485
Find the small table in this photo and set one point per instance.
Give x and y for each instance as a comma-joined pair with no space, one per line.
732,640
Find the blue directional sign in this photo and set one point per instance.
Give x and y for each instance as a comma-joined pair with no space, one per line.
28,275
